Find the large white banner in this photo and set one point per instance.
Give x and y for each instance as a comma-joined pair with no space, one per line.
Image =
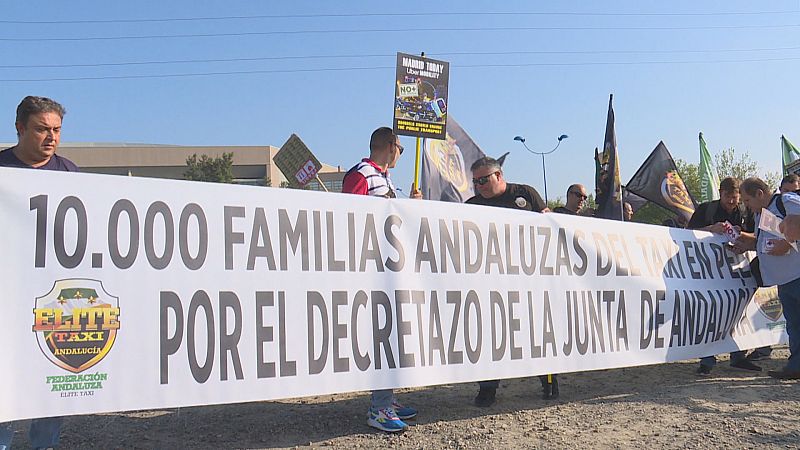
125,293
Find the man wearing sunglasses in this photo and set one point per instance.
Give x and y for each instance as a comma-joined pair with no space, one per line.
576,198
493,190
371,177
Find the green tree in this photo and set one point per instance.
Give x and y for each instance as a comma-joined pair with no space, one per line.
729,165
553,204
651,213
690,174
742,167
217,170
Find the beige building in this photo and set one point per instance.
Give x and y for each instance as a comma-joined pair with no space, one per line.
252,165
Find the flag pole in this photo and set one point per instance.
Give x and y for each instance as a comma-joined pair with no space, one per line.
418,157
417,160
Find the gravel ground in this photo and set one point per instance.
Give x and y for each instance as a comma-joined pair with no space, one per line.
654,407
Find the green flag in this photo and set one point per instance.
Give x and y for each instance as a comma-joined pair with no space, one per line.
790,153
709,181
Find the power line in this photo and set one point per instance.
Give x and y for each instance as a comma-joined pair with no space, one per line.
392,55
395,30
425,14
342,69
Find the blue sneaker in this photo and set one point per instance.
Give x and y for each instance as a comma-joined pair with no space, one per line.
385,419
403,412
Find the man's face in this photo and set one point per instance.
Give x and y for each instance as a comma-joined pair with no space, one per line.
790,187
729,200
488,182
627,211
755,202
395,150
576,198
39,138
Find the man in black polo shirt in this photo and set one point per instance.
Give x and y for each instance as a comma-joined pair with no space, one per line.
38,135
493,190
576,198
711,216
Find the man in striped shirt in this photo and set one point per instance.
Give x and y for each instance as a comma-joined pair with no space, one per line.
371,177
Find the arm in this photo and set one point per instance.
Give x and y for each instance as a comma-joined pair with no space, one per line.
779,247
746,241
538,203
695,222
354,183
790,227
717,228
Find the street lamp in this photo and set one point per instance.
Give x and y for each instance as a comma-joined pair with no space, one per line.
544,168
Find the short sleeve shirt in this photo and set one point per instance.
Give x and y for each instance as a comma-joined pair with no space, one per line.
516,196
59,163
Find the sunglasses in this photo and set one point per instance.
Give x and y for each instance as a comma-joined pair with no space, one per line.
480,181
399,147
579,195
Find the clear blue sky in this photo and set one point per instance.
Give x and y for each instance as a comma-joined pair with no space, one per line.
726,68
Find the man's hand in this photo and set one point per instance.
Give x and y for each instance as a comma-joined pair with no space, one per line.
779,248
717,228
415,193
745,242
790,227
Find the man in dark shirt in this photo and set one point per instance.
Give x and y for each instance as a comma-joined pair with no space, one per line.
711,216
38,135
493,190
576,198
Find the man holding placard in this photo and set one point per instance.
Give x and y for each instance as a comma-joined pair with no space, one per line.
371,177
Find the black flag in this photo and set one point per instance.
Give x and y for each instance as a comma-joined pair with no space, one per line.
445,165
607,185
659,182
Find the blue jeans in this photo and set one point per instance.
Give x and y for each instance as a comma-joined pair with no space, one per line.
380,399
711,361
42,434
789,295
